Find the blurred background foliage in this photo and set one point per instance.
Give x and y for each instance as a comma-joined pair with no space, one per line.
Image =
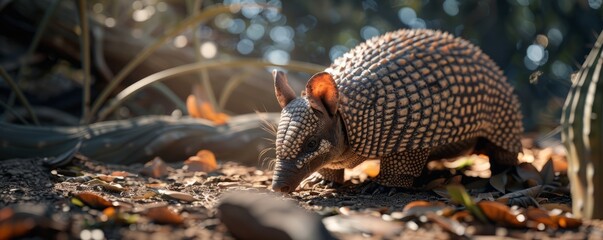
538,44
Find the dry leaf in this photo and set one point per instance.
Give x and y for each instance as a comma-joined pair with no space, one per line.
93,200
199,108
108,178
122,174
540,216
164,215
417,203
568,222
155,168
178,195
560,206
204,161
16,227
147,195
114,187
499,181
527,171
500,213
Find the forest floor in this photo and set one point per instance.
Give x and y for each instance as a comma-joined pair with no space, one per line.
92,200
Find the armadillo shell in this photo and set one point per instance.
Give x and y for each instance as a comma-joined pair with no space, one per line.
412,89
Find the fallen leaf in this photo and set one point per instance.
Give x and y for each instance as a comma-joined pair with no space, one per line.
447,224
527,171
146,195
462,216
524,198
15,228
568,222
178,195
540,216
113,187
155,168
164,215
109,178
560,206
417,203
203,161
501,214
559,163
199,108
547,173
499,181
122,174
93,200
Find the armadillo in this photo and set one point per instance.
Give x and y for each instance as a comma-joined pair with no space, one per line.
404,98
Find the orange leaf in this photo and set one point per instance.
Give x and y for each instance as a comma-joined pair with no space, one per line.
191,107
500,213
541,216
16,228
417,203
155,168
204,161
164,215
93,200
567,222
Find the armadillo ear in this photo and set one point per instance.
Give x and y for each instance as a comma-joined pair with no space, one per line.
284,93
322,93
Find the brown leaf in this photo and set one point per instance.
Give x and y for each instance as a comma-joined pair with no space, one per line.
15,228
501,214
547,173
113,187
417,203
499,182
108,178
204,161
462,216
178,195
146,195
568,222
122,174
93,200
164,215
540,216
155,168
559,163
560,206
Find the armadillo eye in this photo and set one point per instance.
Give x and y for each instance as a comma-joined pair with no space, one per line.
312,144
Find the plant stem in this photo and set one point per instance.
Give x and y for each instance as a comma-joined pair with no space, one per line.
19,94
188,68
34,44
85,51
185,24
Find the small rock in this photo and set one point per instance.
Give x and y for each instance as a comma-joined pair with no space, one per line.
265,216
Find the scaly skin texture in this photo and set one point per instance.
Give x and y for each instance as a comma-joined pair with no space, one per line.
404,97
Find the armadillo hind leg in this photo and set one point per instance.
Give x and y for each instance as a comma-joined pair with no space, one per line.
400,169
500,159
324,176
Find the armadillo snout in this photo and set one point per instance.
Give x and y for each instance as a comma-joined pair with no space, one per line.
281,187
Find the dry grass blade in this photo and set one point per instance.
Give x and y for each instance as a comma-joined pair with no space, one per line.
15,88
185,24
85,51
459,195
184,69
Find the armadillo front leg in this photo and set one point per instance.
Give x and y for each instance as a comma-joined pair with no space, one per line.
400,169
325,177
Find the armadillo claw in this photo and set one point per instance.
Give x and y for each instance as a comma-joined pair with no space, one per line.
316,180
374,188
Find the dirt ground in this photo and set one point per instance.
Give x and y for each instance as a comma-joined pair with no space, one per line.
47,203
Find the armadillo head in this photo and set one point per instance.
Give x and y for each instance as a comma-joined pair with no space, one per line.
310,133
